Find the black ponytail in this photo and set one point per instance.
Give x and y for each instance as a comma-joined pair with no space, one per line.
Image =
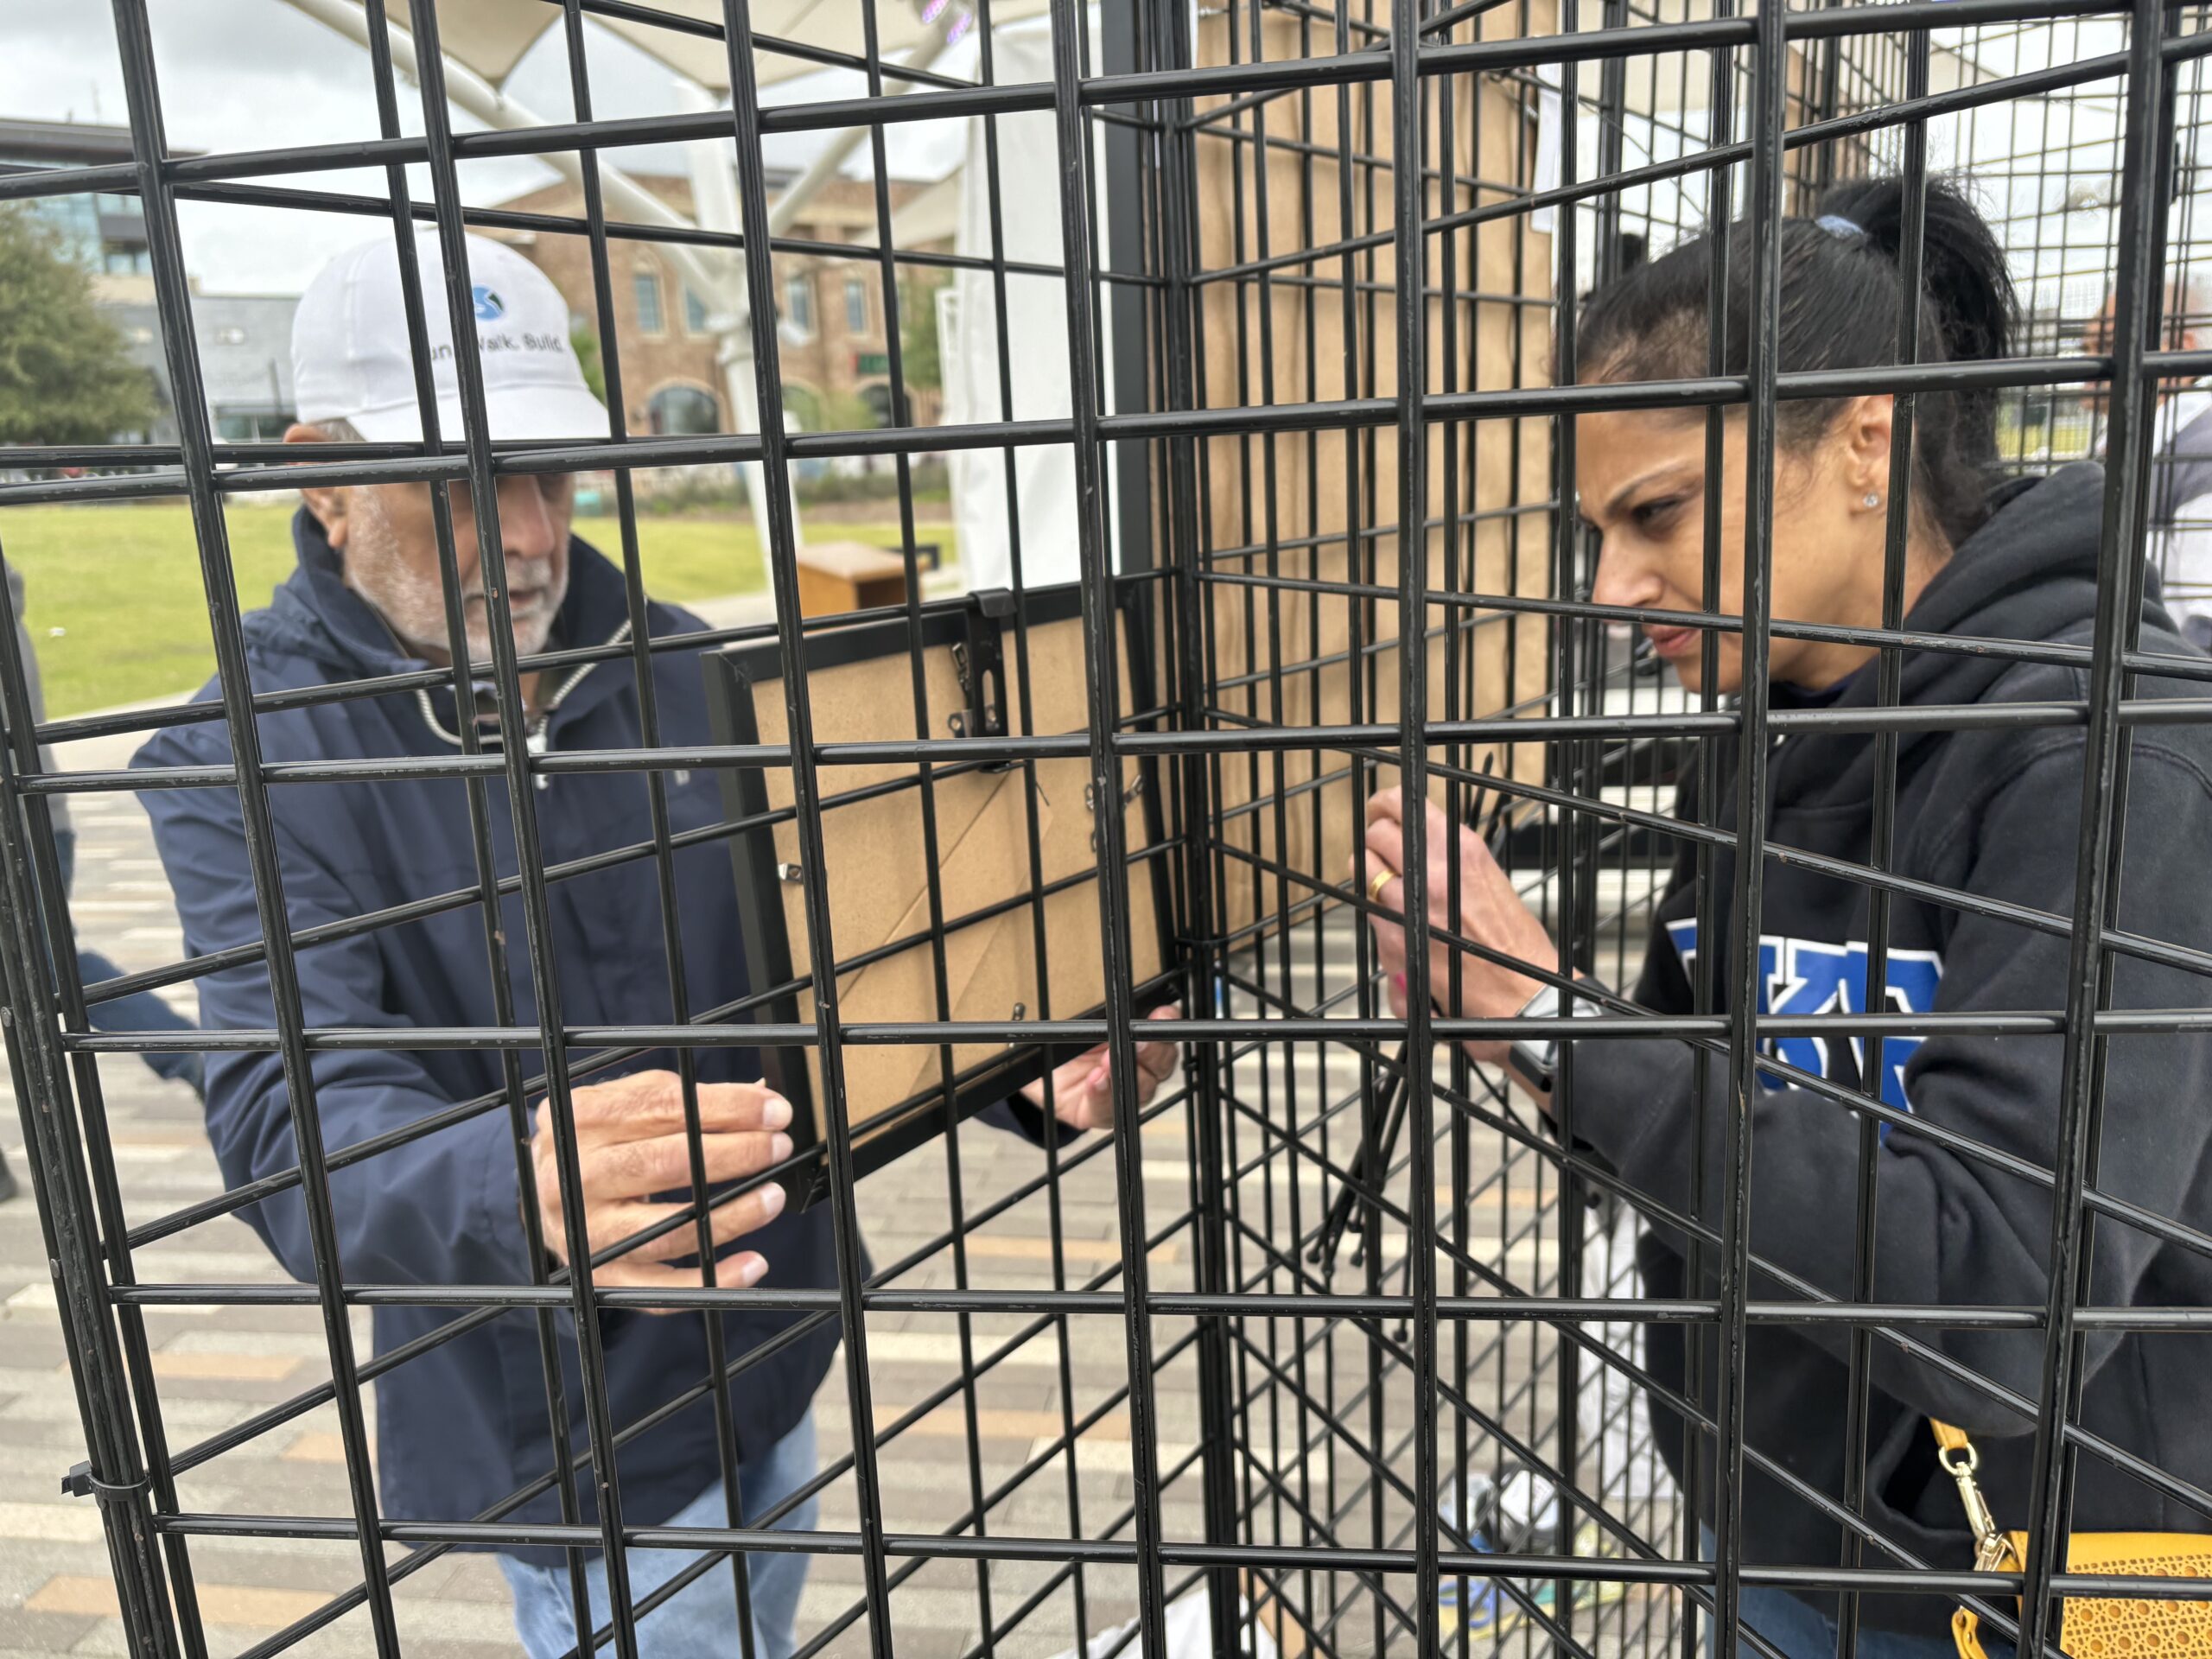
1840,299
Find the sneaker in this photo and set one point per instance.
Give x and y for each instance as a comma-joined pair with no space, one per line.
1515,1512
1476,1498
1521,1510
1511,1513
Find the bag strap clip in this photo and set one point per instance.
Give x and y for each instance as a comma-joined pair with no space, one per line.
1992,1548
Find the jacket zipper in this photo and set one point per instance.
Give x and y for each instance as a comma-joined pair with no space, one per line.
533,734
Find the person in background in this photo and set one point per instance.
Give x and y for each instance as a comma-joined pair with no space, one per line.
1985,809
141,1010
465,1424
2180,521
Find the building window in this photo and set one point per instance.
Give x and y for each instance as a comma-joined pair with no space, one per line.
650,320
75,221
856,306
798,303
695,314
878,399
236,426
682,412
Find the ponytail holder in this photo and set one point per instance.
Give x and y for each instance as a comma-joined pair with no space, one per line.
1842,228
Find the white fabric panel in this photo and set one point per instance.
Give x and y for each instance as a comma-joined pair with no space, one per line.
1037,331
491,36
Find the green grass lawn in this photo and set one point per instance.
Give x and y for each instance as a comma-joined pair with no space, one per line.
117,613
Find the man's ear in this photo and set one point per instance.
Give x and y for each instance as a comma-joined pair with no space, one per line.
326,502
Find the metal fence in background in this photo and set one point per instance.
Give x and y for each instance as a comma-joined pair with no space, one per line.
1324,326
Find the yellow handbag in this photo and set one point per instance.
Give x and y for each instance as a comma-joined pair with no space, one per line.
2096,1627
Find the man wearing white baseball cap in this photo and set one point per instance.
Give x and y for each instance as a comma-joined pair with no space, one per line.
464,1425
351,361
354,377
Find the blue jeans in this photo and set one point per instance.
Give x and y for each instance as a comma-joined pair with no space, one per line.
701,1619
1805,1632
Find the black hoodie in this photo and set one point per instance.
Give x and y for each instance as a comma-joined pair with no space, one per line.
1995,813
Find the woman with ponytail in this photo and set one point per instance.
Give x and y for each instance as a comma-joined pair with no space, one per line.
1985,837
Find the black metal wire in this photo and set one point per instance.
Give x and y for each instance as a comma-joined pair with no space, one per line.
495,944
135,46
1292,191
784,576
2137,288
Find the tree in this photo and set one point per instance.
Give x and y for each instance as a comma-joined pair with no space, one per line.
586,342
802,408
847,411
65,374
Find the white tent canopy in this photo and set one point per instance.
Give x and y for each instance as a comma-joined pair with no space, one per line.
491,36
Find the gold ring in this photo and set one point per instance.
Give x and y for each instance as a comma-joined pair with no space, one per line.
1382,878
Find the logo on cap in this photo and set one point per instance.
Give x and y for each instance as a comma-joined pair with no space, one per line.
490,307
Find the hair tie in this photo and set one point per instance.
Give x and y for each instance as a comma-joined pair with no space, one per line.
1842,228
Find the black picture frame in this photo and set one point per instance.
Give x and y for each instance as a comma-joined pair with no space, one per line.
734,675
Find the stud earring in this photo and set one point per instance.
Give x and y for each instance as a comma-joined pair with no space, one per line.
1871,500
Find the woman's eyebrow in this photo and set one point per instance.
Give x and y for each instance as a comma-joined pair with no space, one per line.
1642,481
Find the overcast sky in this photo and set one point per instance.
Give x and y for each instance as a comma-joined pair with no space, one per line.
255,74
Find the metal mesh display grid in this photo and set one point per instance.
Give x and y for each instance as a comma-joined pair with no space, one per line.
1369,180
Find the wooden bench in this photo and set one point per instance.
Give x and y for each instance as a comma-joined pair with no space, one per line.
834,577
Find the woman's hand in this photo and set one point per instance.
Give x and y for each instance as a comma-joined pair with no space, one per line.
1083,1089
1490,913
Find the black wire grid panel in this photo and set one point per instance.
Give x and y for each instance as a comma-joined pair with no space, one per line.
1359,1292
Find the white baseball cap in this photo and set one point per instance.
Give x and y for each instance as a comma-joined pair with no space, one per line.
351,360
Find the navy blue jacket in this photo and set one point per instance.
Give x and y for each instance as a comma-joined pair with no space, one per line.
462,1426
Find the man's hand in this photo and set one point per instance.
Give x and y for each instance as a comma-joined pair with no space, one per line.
1082,1089
630,1144
1490,913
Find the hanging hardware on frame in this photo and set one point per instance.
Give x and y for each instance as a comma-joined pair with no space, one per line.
980,662
1092,804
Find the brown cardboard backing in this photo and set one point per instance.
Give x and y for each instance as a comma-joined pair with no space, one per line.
879,868
1308,486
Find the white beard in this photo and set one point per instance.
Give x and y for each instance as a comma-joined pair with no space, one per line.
412,604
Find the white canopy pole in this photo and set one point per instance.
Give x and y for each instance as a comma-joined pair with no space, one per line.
730,311
824,166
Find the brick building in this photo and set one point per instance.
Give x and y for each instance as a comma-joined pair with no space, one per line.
835,355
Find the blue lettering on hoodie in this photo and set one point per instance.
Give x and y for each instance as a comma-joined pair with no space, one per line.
1805,976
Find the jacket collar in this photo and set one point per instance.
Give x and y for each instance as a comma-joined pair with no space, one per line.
313,612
